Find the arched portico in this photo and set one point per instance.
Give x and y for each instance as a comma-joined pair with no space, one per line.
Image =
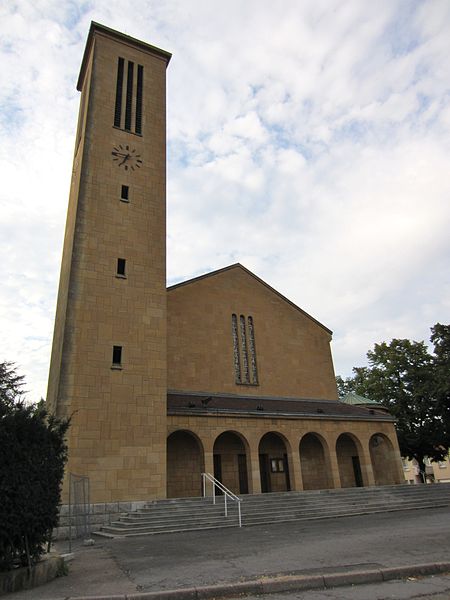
231,461
349,460
315,462
274,463
384,460
185,464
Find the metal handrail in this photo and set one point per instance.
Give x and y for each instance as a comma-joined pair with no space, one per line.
226,493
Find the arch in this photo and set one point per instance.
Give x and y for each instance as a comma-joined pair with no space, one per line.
348,452
274,452
383,459
185,464
231,461
315,462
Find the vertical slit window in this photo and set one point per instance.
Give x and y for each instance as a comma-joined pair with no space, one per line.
124,194
121,262
129,96
119,86
117,355
244,351
237,362
251,341
140,80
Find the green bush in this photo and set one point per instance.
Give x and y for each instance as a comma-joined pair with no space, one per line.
32,458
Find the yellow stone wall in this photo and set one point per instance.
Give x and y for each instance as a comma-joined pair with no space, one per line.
55,401
293,351
184,462
118,429
314,465
380,450
345,449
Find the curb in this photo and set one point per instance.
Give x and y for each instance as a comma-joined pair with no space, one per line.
284,583
42,572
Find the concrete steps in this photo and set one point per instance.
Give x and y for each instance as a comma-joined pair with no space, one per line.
190,514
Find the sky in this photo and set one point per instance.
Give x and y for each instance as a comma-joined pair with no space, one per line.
308,140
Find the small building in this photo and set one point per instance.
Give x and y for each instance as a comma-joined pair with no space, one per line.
219,374
435,471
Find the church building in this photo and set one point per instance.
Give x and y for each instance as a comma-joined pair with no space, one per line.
220,374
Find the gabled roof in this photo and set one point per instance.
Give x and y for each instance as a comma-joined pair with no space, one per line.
245,270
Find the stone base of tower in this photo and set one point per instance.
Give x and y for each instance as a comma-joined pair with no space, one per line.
129,473
96,515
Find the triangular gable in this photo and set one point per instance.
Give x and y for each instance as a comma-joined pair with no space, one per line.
259,280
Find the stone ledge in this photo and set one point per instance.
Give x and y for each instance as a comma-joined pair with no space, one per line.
20,579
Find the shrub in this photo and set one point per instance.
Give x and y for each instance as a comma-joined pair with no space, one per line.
32,458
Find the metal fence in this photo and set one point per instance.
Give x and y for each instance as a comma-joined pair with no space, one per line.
79,507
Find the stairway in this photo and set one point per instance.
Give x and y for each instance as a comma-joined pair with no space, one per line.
190,514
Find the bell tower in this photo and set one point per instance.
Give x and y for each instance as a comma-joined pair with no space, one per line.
108,363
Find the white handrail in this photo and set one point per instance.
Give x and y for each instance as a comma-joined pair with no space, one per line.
226,493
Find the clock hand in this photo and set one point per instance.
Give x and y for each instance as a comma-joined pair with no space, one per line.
120,154
127,156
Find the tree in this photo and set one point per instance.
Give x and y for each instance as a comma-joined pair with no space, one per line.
414,385
11,385
440,336
32,457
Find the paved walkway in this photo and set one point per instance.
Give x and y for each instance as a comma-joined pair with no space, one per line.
166,562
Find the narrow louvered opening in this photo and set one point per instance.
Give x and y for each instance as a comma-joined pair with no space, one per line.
140,80
119,86
129,96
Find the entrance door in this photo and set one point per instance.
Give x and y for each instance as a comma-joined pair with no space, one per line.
242,467
265,472
357,471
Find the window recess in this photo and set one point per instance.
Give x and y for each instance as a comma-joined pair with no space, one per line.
117,357
129,96
121,266
125,193
244,350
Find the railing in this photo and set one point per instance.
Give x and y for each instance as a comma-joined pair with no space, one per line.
226,493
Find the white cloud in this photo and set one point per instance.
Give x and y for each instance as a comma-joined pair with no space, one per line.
309,143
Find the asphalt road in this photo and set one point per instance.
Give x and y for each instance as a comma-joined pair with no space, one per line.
162,562
207,557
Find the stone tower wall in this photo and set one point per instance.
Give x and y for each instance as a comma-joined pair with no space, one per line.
118,429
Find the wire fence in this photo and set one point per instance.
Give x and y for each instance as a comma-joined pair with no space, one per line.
79,508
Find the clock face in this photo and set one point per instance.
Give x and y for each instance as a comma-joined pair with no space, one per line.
127,158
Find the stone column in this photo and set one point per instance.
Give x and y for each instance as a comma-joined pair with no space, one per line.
208,448
366,464
295,467
255,476
334,465
396,458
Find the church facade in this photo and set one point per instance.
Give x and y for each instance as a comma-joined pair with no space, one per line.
219,374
